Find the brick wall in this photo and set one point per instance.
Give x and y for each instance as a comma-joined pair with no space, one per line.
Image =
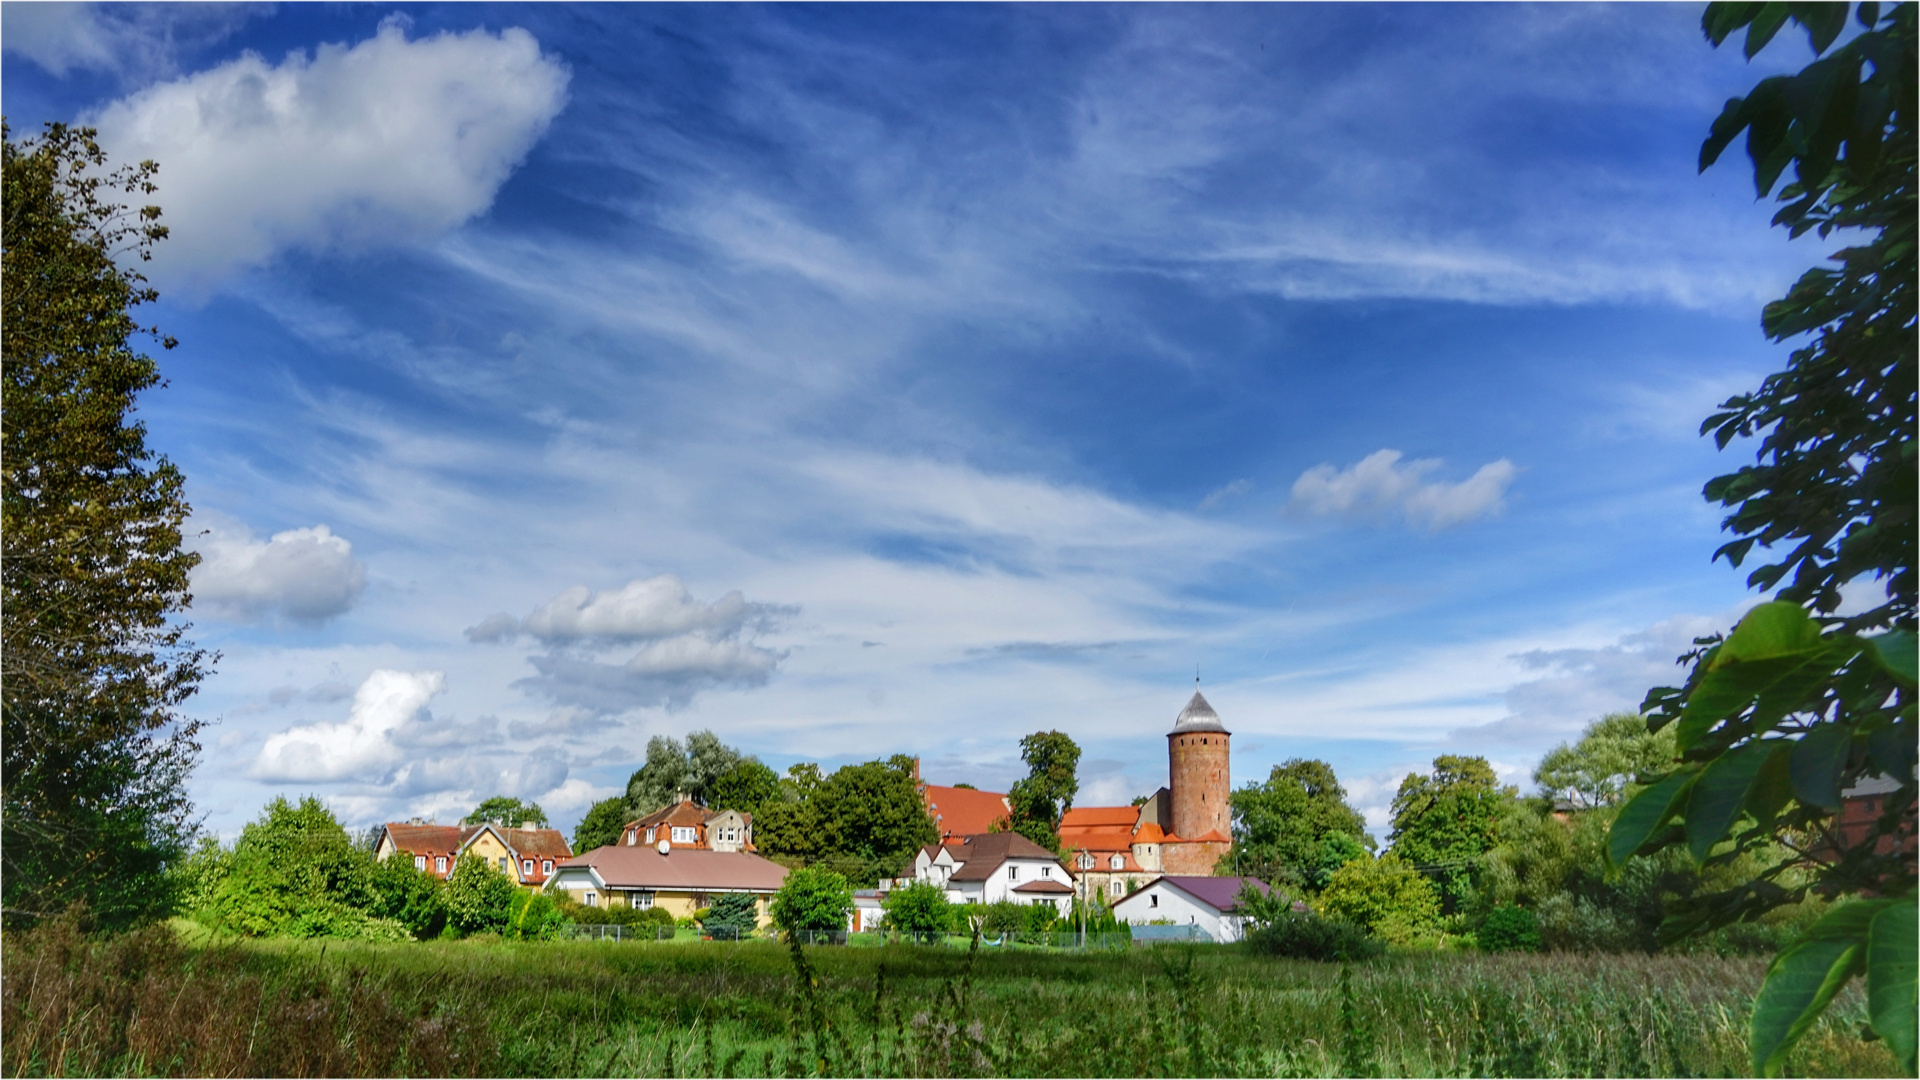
1200,782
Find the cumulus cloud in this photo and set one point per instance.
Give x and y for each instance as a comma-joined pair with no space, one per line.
641,610
390,140
301,575
363,747
666,673
1380,485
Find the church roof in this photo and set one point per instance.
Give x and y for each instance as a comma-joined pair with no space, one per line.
1198,716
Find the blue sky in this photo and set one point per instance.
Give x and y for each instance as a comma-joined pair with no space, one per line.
866,380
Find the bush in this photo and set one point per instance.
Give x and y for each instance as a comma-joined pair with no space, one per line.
1386,898
532,917
732,915
1306,936
1510,929
478,897
920,908
813,898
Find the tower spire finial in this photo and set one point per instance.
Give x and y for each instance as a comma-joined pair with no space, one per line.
1196,676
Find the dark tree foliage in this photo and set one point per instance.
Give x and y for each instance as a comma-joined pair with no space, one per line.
1448,820
731,916
1041,798
746,787
96,664
507,811
862,821
1289,828
1798,704
601,826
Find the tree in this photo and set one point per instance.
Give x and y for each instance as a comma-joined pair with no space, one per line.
731,916
94,662
479,897
746,787
413,898
1799,703
1291,827
919,908
507,811
813,898
675,770
1448,820
1041,798
601,825
295,872
1385,897
873,812
1612,753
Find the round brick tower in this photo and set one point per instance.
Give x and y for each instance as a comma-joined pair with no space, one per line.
1197,777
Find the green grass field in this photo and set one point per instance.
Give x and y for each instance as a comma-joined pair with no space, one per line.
150,1005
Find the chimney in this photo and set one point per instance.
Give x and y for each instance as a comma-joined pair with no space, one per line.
916,769
526,825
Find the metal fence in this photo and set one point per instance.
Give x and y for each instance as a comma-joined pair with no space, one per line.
1063,940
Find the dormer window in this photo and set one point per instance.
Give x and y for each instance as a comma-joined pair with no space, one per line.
1118,862
439,864
633,837
546,866
419,862
684,835
1086,860
526,867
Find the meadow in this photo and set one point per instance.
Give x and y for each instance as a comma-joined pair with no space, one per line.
155,1002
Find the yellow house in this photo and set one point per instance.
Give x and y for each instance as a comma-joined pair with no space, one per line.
679,881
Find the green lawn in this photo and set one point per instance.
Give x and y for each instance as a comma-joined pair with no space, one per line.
694,1008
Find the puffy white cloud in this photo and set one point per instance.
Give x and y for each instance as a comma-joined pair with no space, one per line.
1380,484
657,607
363,748
666,673
389,140
303,575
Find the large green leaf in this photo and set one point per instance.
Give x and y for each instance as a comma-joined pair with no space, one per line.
1719,793
1803,979
1644,814
1896,652
1817,763
1773,629
1891,1001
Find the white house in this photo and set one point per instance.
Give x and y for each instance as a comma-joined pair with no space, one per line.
991,867
1206,902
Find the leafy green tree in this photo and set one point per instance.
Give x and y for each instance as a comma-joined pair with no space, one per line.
413,898
601,825
1614,752
1449,819
675,769
919,908
295,872
732,916
94,662
873,812
1510,929
532,916
1385,897
813,898
1296,828
1041,798
479,897
507,811
1799,703
746,787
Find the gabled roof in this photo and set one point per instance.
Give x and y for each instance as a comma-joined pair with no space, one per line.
1044,885
427,839
1198,716
1217,893
964,811
1148,834
684,813
985,852
1115,840
685,870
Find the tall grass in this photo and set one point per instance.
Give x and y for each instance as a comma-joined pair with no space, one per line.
145,1004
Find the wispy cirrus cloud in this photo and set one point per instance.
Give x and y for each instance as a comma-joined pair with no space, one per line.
1379,485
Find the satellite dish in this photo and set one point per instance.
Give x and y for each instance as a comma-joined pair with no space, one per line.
665,846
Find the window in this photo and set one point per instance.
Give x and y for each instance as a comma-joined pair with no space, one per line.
641,900
546,866
1013,873
633,836
503,864
650,832
439,864
1046,871
1153,900
683,835
592,901
1116,887
1117,862
526,867
1086,861
419,862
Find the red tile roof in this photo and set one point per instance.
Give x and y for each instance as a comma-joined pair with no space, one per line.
685,870
1099,817
427,839
964,811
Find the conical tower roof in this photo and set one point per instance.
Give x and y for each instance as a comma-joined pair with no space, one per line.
1198,716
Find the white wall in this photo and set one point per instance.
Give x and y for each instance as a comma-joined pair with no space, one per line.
1163,900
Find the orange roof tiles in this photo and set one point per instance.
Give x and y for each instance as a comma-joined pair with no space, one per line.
1149,834
964,811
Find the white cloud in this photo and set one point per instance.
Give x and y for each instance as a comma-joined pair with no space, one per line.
303,575
641,610
133,39
1379,484
574,794
666,673
389,140
1219,496
360,749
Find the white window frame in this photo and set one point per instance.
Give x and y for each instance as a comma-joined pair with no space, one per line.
1118,862
526,867
1013,872
641,900
590,900
1046,871
1116,887
440,864
546,867
419,862
503,864
685,835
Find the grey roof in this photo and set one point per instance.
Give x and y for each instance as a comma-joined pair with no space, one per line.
1198,716
1220,893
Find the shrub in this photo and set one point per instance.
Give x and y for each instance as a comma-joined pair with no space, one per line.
1306,936
1005,917
920,908
1510,929
1386,898
532,917
732,915
478,897
813,898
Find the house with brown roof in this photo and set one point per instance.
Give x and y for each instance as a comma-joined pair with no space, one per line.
680,880
991,867
687,824
526,854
